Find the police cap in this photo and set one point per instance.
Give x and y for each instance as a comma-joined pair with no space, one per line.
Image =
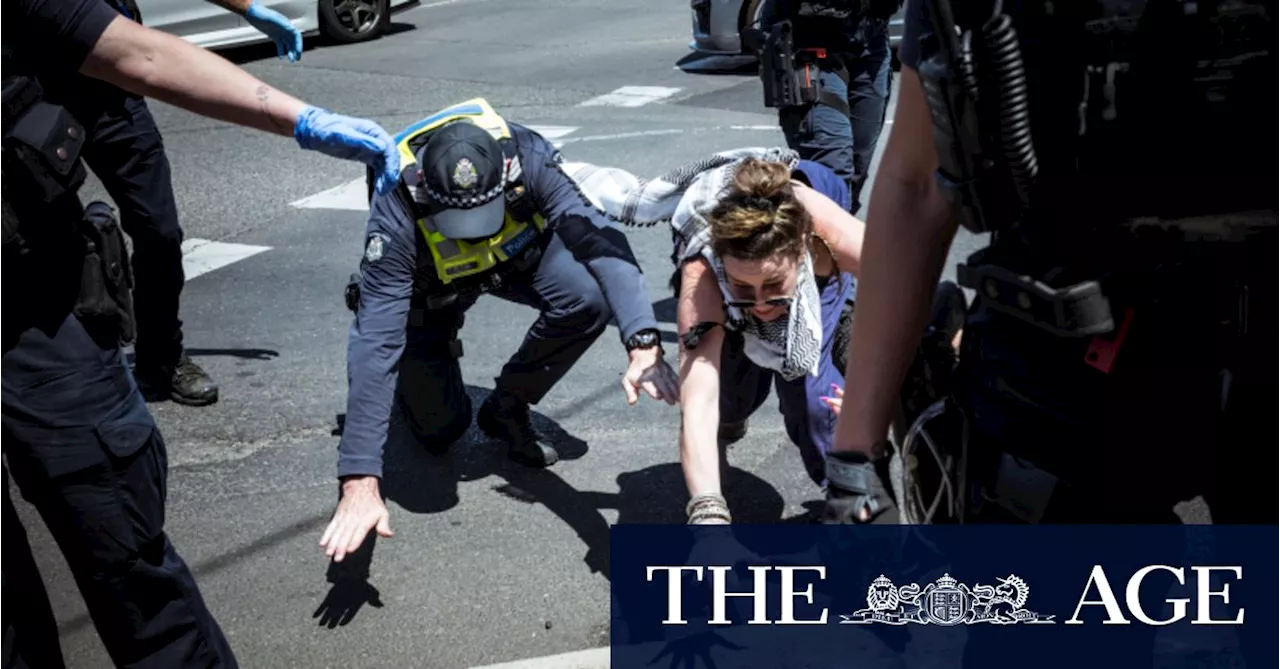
462,166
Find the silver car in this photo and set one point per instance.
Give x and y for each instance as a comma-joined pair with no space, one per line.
212,27
718,25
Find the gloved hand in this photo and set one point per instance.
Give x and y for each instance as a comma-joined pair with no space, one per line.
857,491
350,139
273,24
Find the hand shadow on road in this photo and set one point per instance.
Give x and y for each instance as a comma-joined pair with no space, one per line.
654,495
351,587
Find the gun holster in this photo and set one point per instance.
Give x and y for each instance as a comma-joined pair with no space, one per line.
787,83
105,303
791,76
352,293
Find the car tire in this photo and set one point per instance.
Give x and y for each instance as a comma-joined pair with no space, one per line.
747,16
350,21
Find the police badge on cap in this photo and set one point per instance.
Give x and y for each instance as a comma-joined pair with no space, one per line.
464,169
464,174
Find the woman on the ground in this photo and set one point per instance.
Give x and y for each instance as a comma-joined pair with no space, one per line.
765,280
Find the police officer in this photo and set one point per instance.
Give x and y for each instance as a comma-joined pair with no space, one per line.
125,150
837,51
484,208
79,441
1121,346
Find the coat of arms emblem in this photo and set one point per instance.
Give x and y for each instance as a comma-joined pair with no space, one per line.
464,174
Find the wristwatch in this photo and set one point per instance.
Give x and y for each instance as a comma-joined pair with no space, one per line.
644,339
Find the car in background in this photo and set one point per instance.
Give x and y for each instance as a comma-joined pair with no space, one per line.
207,25
718,26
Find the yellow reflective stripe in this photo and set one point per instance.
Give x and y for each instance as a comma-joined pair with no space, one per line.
455,258
487,118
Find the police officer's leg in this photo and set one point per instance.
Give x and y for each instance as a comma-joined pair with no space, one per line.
127,153
870,71
431,391
822,133
84,450
1027,393
573,314
31,637
1244,475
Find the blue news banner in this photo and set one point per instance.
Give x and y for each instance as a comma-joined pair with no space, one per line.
1085,597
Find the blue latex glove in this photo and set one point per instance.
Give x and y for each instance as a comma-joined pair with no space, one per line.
350,139
273,24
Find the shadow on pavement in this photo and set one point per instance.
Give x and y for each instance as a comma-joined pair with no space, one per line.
423,482
718,64
266,51
351,587
654,495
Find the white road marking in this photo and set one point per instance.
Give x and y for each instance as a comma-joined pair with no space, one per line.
201,256
631,96
594,658
553,131
353,195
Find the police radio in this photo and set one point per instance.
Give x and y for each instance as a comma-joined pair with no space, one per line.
986,165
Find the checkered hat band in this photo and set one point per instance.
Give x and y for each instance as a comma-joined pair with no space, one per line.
465,202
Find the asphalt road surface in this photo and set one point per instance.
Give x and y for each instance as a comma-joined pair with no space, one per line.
490,562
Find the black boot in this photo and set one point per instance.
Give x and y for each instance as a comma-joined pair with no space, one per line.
184,383
506,418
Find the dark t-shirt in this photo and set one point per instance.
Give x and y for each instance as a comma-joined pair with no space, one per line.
53,37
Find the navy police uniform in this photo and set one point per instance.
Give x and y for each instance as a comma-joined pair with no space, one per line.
126,152
79,441
1120,353
849,41
483,208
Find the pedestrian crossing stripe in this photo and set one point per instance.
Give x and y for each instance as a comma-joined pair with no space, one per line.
354,195
201,256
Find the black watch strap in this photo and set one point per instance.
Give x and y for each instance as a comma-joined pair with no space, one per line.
648,338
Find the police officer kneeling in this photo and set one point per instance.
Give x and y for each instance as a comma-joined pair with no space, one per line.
483,208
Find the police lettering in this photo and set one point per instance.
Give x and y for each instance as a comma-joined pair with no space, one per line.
1132,597
758,594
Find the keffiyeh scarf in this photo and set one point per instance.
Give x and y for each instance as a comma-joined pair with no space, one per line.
683,198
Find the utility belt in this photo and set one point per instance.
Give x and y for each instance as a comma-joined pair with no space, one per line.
105,304
790,75
437,295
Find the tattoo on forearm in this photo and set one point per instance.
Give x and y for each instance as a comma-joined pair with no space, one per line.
264,101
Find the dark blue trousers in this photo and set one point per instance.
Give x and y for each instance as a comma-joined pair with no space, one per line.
126,152
847,143
572,314
84,450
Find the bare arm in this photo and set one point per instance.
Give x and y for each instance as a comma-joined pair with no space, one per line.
700,301
842,232
158,65
909,233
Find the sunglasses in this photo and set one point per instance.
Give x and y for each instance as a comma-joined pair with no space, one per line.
750,304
